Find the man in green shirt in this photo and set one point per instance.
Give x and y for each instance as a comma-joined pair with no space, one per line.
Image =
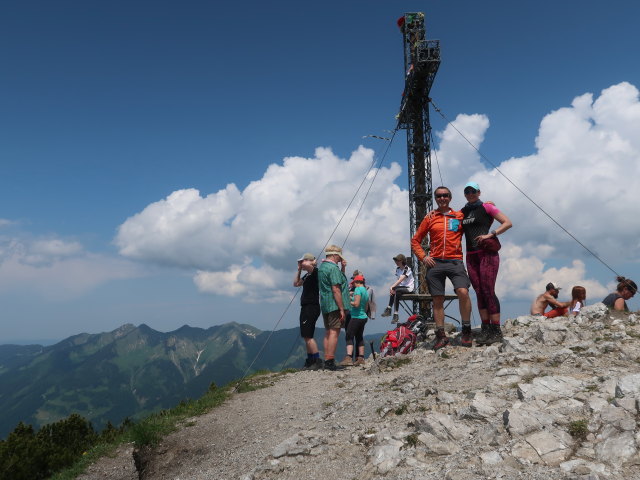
334,298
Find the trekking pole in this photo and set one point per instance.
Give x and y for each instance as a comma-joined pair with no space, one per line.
373,352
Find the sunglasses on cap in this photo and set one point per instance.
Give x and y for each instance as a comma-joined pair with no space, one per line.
470,190
442,195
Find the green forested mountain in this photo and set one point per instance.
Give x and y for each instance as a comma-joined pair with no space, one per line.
133,371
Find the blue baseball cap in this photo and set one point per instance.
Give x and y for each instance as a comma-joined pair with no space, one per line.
472,185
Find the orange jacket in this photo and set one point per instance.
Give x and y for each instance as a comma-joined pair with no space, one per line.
445,235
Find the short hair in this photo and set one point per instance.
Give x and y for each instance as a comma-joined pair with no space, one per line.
442,187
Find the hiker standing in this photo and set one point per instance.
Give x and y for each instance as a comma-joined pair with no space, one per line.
309,308
444,227
483,259
334,298
372,307
358,301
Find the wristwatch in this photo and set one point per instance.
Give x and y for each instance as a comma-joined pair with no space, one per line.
494,233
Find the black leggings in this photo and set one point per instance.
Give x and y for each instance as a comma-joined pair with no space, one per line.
355,328
399,292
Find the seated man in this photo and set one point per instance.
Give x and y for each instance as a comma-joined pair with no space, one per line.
550,297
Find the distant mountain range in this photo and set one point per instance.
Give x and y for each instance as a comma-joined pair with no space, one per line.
133,371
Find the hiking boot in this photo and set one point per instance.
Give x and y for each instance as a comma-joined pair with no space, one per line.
359,361
307,364
347,362
330,365
441,339
317,364
395,318
466,340
387,312
484,334
495,335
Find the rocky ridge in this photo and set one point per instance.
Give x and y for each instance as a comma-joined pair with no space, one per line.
558,399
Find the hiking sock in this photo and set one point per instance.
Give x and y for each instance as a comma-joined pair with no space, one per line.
310,357
466,340
315,356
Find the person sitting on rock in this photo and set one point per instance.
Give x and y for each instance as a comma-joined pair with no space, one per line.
578,297
625,290
549,297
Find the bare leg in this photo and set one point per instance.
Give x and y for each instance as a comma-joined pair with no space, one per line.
438,310
331,342
465,305
311,345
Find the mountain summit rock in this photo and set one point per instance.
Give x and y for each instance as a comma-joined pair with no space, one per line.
557,400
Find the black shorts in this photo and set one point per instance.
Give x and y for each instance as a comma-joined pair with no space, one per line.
309,315
454,271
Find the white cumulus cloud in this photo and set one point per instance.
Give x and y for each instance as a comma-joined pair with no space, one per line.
585,173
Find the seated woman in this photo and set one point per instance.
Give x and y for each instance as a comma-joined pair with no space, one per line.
404,284
578,297
624,291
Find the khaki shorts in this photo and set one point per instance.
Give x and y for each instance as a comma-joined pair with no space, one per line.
332,319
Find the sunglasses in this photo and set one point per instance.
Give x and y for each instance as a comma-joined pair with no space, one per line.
470,190
442,195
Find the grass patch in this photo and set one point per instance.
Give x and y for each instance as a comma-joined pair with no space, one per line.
412,440
578,429
398,362
402,409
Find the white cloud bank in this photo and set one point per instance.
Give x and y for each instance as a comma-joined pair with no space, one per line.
585,173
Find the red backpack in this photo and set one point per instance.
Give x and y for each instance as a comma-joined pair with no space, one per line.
399,340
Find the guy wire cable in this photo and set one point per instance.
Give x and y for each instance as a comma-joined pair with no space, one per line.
372,182
520,190
435,154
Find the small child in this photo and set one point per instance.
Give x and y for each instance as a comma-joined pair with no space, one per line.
578,297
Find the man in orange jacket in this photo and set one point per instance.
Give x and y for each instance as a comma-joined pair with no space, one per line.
444,227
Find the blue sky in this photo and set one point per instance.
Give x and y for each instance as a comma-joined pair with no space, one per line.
123,125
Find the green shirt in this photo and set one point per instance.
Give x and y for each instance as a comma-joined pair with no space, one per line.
329,274
361,311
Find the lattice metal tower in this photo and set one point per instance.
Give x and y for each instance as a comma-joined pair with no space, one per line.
421,62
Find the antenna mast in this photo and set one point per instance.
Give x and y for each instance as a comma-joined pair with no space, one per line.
421,62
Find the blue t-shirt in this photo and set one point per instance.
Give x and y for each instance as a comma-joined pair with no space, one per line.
361,311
